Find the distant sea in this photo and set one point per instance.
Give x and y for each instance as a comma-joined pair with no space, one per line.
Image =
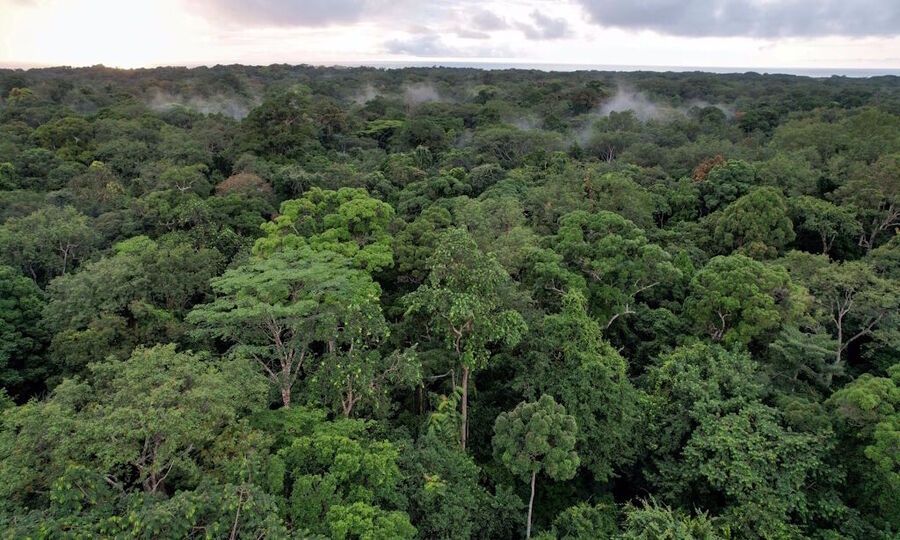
805,72
499,65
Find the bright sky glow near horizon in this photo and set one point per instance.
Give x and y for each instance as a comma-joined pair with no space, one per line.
702,33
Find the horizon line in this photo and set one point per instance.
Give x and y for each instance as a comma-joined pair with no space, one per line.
495,64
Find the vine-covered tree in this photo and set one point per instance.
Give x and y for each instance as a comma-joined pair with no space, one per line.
463,300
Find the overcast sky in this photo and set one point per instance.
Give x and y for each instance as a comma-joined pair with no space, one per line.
704,33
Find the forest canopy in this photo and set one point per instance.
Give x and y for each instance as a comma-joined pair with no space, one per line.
360,303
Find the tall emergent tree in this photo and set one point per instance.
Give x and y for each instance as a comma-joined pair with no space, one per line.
273,310
537,437
463,298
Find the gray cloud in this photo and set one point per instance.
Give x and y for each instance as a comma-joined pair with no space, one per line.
750,18
544,27
471,34
286,12
487,21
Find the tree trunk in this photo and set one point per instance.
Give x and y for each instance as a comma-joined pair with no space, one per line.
839,322
530,506
465,408
286,396
421,400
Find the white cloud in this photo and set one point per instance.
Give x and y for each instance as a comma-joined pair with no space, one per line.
128,34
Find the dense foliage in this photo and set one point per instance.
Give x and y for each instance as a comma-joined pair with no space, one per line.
297,302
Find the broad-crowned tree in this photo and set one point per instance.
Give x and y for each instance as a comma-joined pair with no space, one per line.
875,196
756,225
726,183
283,127
97,190
415,243
621,267
586,521
760,466
735,299
47,243
446,498
655,521
347,221
713,442
867,416
138,295
616,192
344,482
886,258
850,299
140,422
274,309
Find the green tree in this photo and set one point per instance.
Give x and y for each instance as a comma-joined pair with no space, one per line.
68,137
849,298
140,422
347,221
275,309
618,262
715,443
343,482
867,415
760,466
191,178
7,176
585,521
569,359
756,225
463,297
726,183
21,335
687,385
735,299
446,499
886,258
537,437
823,219
97,190
414,244
46,243
283,126
655,521
616,192
509,146
358,374
137,295
875,196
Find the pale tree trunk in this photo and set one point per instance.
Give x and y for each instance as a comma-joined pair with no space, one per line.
465,408
530,506
844,343
286,396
